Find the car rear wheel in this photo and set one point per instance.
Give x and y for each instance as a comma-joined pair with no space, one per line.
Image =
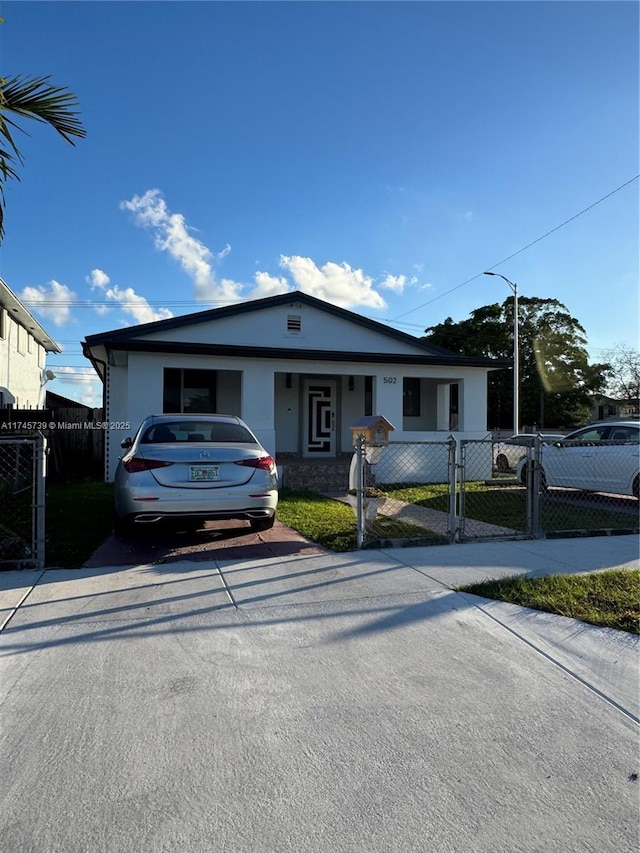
122,526
258,524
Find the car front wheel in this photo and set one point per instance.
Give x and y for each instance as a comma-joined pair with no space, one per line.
527,472
502,463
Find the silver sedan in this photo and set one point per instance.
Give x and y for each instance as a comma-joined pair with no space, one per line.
194,468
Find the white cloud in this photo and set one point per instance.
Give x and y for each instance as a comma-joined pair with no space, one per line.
394,282
397,283
78,383
171,234
269,285
52,302
136,306
336,283
98,279
132,304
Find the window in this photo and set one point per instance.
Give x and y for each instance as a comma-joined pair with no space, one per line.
368,395
189,390
411,398
454,406
3,323
197,431
22,339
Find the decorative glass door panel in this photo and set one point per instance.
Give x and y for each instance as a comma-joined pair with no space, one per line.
320,418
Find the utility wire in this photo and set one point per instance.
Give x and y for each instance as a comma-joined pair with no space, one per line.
88,303
524,248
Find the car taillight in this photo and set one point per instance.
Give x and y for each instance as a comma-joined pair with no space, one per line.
135,464
265,463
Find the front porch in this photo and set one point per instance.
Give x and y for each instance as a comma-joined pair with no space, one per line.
315,475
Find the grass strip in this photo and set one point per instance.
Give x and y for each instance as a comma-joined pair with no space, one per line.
610,599
79,517
507,506
332,524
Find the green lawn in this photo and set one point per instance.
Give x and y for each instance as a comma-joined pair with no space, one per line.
79,517
506,506
333,524
610,599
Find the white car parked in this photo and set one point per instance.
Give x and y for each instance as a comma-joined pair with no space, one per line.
601,457
507,453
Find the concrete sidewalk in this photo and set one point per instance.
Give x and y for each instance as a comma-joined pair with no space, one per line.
324,702
330,579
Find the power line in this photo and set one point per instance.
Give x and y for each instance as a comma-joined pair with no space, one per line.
524,248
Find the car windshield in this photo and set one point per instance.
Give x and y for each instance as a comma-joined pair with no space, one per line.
209,431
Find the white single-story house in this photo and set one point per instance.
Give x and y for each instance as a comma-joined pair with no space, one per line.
298,370
24,345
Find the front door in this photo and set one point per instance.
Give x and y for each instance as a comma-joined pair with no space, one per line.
319,403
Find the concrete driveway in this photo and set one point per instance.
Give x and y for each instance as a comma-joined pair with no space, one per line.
230,540
315,703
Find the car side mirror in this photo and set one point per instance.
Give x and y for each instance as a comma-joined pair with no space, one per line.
126,443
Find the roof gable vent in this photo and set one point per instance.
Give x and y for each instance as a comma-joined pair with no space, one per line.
294,324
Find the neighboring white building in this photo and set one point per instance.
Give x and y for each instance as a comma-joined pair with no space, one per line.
24,345
298,370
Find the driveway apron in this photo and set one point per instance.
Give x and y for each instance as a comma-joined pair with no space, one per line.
308,702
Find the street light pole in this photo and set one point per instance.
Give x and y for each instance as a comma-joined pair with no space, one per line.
516,354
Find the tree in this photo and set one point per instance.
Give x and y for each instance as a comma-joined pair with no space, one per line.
556,379
623,376
34,98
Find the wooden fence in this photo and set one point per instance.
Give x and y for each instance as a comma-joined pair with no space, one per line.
75,438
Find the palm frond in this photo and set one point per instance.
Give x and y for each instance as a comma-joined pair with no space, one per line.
38,99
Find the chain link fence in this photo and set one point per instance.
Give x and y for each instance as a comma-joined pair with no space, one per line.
454,491
22,501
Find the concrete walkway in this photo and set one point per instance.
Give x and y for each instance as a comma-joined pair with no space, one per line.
330,703
432,520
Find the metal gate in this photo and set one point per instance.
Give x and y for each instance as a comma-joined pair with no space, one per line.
429,492
22,501
491,504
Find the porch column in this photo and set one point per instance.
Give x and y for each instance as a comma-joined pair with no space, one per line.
442,404
258,404
473,403
388,397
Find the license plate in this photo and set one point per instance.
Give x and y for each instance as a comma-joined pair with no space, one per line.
199,473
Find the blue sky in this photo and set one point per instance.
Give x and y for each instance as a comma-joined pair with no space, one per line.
374,154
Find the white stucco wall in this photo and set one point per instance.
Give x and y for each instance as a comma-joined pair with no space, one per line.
268,327
256,392
21,372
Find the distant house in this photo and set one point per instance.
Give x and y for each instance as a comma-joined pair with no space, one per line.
298,370
24,345
607,408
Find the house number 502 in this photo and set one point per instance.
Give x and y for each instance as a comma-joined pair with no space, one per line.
389,380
